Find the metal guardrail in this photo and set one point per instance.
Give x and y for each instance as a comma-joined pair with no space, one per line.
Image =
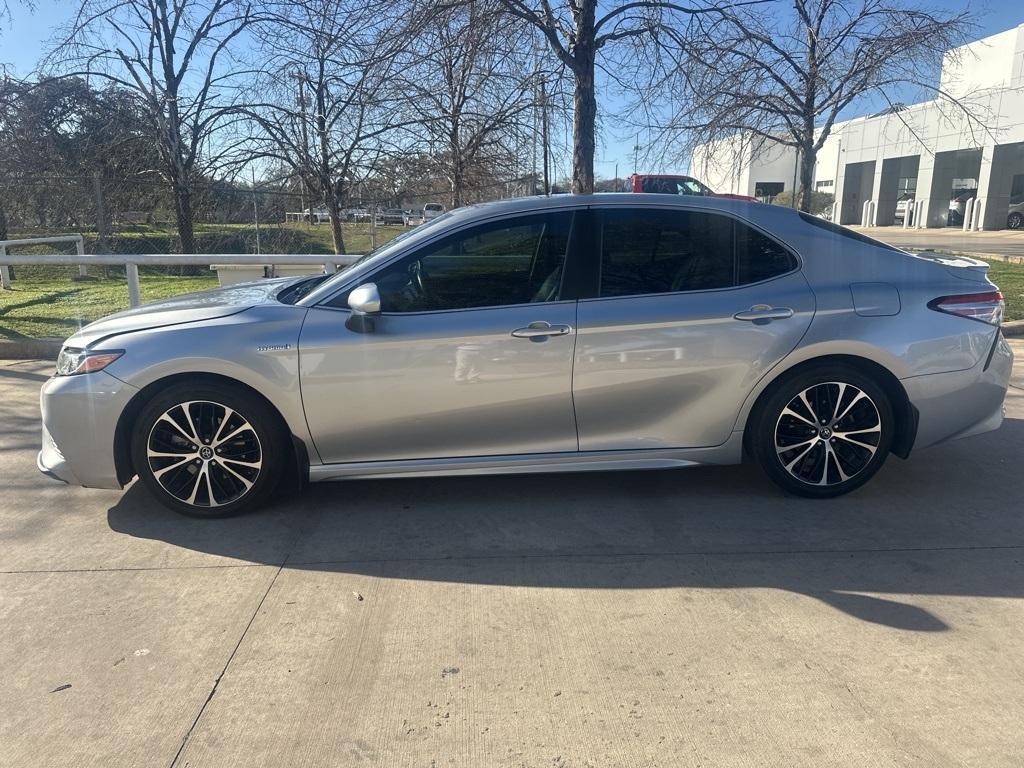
5,272
133,261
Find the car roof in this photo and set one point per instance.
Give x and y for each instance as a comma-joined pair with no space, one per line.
621,199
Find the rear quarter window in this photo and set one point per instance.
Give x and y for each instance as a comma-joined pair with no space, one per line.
849,234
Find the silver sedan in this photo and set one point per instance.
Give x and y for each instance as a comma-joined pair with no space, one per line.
542,335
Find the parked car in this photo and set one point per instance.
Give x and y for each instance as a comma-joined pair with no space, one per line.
392,216
432,211
905,202
676,185
958,206
1015,217
497,338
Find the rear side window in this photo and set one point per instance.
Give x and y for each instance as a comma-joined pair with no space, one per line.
652,251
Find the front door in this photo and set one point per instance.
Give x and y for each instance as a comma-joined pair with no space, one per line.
471,356
693,308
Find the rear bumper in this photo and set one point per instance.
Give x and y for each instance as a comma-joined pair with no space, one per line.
961,403
80,416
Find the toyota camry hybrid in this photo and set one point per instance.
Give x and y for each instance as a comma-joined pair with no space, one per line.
542,335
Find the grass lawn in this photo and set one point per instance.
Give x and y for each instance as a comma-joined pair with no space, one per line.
56,308
46,303
1010,279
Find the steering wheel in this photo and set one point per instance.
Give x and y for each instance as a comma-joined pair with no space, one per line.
419,276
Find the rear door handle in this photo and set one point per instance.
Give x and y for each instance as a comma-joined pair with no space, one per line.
541,329
764,312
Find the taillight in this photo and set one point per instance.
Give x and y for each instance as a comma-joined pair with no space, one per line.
986,307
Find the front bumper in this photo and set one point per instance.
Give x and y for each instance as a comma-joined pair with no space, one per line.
80,415
962,403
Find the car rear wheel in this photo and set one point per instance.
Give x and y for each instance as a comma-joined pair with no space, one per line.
823,431
209,451
1015,220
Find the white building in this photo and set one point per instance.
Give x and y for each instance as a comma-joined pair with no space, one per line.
931,151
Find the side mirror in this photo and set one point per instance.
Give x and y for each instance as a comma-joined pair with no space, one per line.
364,302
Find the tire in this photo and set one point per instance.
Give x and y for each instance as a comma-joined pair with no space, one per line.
823,460
1015,220
235,464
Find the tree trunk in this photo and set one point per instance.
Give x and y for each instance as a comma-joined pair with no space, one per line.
458,183
334,210
102,219
183,217
808,159
3,222
584,100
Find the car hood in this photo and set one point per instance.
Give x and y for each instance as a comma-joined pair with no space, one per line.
188,308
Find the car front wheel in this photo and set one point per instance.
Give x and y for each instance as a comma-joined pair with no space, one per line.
823,431
208,451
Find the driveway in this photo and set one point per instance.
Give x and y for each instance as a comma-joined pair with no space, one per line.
676,618
1007,243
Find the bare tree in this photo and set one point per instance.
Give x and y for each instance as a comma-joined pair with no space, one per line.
474,85
176,56
331,103
784,79
576,34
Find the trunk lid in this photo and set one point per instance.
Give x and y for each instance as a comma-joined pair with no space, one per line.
962,267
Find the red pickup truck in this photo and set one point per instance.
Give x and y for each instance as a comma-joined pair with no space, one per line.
675,185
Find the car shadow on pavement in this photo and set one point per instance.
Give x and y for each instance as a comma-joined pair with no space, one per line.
946,522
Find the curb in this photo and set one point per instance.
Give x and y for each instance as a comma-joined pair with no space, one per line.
30,349
1013,328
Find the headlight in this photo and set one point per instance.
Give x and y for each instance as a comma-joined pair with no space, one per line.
72,360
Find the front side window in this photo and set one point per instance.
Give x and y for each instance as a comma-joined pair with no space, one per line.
514,261
651,251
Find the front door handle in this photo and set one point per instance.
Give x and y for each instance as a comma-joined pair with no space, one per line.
541,329
764,312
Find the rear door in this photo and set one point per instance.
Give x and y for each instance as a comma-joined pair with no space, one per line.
692,308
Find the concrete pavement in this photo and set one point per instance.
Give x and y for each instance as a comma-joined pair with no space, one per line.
1007,243
677,618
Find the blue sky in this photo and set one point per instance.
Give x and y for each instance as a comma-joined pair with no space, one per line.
22,42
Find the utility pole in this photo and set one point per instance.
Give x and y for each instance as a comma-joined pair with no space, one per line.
300,76
796,166
544,134
636,153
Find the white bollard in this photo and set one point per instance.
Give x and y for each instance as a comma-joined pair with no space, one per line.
864,213
5,272
968,215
